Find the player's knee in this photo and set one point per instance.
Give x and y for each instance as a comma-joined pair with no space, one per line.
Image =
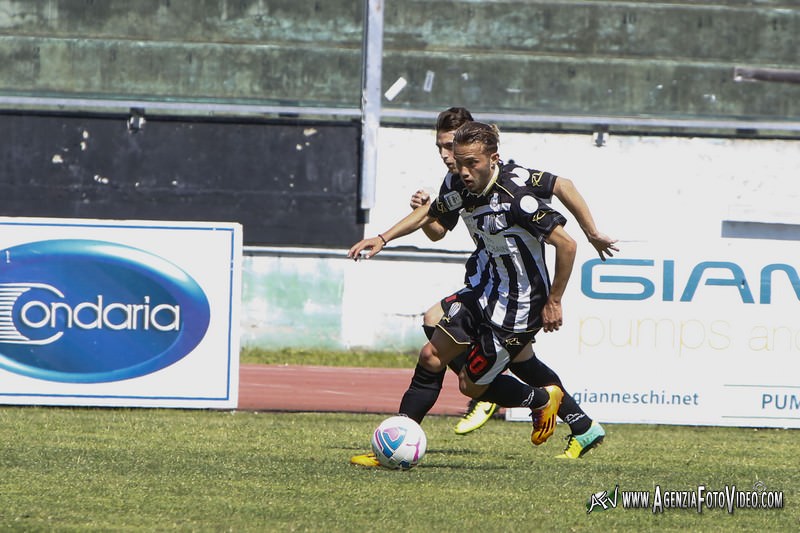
468,388
429,359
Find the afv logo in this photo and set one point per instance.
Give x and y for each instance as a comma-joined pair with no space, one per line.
84,311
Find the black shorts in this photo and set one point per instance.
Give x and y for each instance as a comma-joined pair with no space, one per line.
491,348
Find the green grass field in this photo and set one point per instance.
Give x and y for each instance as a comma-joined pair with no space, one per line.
82,469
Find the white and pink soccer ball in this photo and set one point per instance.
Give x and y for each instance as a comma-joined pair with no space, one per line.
399,443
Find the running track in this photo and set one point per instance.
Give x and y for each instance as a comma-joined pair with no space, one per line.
322,388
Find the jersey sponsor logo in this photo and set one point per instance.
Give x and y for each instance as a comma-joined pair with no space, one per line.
512,341
84,311
536,178
496,244
539,215
452,200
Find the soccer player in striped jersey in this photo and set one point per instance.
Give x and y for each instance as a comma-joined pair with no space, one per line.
509,222
545,186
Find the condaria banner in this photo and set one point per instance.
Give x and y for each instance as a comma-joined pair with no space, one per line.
119,313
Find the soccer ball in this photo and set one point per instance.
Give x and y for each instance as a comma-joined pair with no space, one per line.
399,443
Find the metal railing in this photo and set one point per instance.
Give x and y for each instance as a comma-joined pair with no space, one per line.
403,254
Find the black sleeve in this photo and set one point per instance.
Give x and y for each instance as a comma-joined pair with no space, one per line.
446,207
534,215
448,219
541,183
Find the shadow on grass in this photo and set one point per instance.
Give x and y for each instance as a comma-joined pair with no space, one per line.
461,466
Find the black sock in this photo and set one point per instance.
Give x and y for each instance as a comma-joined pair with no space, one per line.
506,391
571,413
534,372
422,393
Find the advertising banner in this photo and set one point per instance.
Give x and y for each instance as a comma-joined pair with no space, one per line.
696,320
119,313
709,337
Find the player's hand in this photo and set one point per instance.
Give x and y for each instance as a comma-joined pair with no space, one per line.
359,249
603,244
552,316
419,198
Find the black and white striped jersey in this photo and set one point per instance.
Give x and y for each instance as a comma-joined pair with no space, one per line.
508,225
543,183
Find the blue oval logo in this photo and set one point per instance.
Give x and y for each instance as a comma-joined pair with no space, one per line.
85,311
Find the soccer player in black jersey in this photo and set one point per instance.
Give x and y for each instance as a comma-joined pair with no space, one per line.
546,185
498,313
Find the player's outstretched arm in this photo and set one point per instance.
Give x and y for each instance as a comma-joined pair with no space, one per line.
572,199
367,248
433,230
552,314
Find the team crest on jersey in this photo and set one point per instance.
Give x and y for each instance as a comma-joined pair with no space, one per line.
453,311
452,200
494,224
494,201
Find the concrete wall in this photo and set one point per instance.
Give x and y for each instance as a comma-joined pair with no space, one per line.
277,51
595,58
632,58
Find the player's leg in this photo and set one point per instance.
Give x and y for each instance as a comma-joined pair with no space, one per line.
426,383
482,378
430,319
453,334
463,322
585,433
477,412
533,371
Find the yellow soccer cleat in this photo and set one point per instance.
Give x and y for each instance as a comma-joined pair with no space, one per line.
476,417
544,418
365,459
577,445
